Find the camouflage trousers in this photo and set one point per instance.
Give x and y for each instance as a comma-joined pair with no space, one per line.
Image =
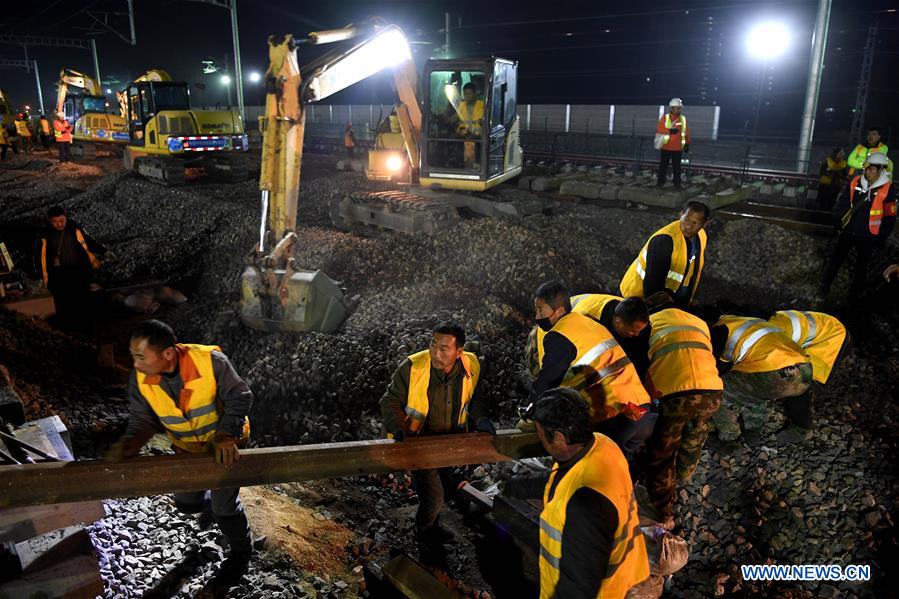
749,396
674,449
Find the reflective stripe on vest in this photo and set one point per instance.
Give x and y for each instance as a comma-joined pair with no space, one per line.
588,304
796,321
819,336
192,419
736,338
601,372
680,355
603,469
879,205
682,120
417,404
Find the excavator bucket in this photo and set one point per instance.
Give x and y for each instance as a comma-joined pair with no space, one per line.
283,300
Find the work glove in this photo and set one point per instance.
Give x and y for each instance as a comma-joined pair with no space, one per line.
226,451
399,436
121,450
483,425
674,131
686,148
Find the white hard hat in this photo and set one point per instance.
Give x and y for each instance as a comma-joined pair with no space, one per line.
877,159
676,102
61,114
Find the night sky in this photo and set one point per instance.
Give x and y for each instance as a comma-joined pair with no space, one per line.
578,53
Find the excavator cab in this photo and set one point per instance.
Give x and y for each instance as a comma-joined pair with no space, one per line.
148,98
470,131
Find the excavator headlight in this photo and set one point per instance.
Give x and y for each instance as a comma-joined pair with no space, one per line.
394,163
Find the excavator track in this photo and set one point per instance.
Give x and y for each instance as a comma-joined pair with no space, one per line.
394,210
167,172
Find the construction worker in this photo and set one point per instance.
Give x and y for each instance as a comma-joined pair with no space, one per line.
591,545
4,142
627,320
866,209
759,363
581,354
683,377
195,395
673,139
672,259
44,129
66,258
470,123
23,132
860,154
831,178
349,140
62,131
435,392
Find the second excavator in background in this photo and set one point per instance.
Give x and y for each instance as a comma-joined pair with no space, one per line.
80,98
167,136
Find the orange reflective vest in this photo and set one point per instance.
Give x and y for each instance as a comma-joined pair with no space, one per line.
674,142
417,404
879,206
604,470
192,420
680,355
62,131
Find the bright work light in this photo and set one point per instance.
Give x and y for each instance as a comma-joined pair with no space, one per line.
767,40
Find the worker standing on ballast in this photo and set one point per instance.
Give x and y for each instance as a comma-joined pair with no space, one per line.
673,139
435,392
62,130
195,395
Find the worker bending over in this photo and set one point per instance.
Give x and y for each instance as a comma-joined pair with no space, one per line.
581,354
435,392
193,393
672,259
683,377
591,545
759,364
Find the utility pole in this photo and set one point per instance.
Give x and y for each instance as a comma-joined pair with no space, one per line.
446,30
37,81
231,6
815,70
96,63
864,82
28,65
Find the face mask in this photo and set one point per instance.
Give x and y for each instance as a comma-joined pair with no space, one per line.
544,324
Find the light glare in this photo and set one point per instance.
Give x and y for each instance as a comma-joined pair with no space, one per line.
255,77
226,79
768,40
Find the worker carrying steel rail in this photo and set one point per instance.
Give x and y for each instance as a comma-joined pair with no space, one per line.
581,354
684,379
673,140
591,544
873,145
672,259
435,392
193,393
865,216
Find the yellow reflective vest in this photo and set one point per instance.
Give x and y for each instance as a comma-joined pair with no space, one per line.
821,336
755,345
632,283
601,372
604,470
856,160
192,419
79,237
417,404
680,355
4,136
22,128
588,304
470,115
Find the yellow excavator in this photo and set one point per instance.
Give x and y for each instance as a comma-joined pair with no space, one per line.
80,98
276,295
167,136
